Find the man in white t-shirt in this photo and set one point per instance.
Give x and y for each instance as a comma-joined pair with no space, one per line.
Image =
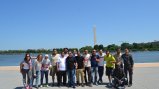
101,66
87,64
61,68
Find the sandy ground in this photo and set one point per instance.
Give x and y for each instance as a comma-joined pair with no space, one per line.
145,77
137,65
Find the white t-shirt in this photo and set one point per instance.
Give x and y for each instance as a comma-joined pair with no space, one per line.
54,59
101,58
25,65
87,61
62,63
46,64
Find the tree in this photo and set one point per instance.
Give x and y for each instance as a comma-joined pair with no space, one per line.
126,45
112,47
96,47
89,48
101,47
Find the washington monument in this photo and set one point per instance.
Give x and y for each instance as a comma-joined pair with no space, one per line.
95,39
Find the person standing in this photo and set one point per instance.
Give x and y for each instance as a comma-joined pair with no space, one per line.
45,69
37,70
118,58
87,69
94,67
128,65
101,66
53,70
61,68
71,67
110,65
25,70
80,69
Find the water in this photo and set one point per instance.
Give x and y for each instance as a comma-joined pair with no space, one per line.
139,57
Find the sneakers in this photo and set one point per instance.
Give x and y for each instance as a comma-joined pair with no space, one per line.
41,86
109,84
129,85
47,86
96,83
82,85
91,85
74,87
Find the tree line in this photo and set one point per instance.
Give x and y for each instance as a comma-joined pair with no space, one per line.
150,46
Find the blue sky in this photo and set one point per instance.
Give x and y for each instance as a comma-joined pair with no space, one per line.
37,24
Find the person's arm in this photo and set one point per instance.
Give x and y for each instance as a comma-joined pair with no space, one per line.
66,64
113,61
57,64
97,59
34,68
83,62
131,61
75,63
21,66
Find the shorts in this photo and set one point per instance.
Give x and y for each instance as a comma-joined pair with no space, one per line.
109,71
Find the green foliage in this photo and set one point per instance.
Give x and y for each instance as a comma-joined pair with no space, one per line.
151,46
89,48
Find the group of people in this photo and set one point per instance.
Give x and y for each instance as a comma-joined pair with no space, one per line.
78,69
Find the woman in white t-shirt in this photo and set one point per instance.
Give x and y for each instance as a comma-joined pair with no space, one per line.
25,69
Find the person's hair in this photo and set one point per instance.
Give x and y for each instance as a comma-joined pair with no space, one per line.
25,59
127,49
54,49
107,51
118,49
39,56
62,52
65,48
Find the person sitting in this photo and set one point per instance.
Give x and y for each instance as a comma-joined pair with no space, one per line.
118,77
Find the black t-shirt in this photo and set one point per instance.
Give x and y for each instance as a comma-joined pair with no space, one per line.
70,63
128,61
119,73
80,63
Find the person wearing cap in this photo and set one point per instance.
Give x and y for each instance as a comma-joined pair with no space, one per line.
110,65
45,69
53,69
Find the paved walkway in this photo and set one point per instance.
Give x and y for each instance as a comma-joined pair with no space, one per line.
144,78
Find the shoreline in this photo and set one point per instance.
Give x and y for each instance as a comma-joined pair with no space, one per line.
136,65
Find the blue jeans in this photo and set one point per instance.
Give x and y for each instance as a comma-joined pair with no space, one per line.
38,78
71,77
27,73
46,73
94,73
